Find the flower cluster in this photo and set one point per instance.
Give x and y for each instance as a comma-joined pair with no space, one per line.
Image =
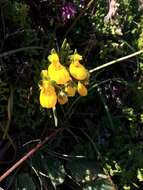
60,82
68,11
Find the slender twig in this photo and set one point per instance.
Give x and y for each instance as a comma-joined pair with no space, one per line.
116,61
99,156
103,100
3,28
29,154
37,174
9,112
10,143
19,50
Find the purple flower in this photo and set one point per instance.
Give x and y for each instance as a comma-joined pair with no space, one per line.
68,11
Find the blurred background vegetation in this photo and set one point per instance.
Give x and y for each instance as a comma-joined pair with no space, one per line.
101,146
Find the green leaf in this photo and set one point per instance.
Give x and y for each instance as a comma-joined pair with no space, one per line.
140,174
88,173
25,182
83,170
55,171
99,184
49,167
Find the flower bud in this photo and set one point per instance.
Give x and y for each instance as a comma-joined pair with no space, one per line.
70,90
82,90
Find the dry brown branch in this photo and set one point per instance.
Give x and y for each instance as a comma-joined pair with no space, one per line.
29,154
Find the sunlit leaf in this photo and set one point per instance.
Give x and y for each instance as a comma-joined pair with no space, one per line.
99,184
88,173
83,170
140,174
55,171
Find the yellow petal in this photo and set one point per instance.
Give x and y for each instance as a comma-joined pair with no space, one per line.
58,73
44,73
78,71
70,90
53,58
62,99
82,90
47,87
48,101
76,57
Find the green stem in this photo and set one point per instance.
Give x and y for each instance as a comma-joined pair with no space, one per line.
93,144
9,111
18,50
105,107
116,61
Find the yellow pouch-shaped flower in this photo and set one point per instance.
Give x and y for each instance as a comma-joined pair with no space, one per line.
58,73
70,90
78,71
75,57
53,58
82,90
48,97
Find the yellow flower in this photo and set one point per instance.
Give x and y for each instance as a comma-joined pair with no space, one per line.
62,99
78,71
75,57
48,97
53,58
70,90
46,85
44,74
58,73
82,90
